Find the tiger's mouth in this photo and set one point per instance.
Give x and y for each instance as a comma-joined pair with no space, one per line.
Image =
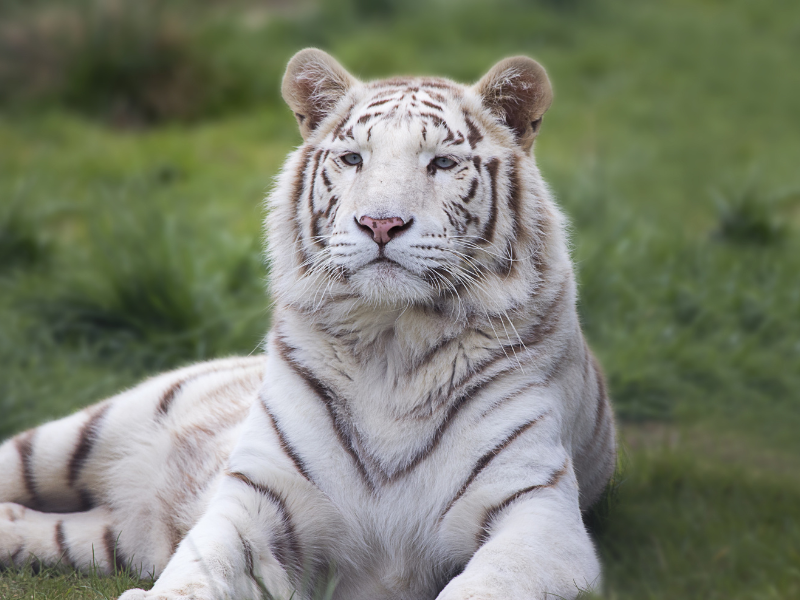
384,259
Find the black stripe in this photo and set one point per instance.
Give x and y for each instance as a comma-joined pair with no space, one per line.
329,400
312,214
167,397
393,82
474,136
488,231
473,381
298,189
436,96
441,85
285,446
364,118
337,130
314,168
484,461
247,550
379,102
432,105
491,513
24,446
331,203
289,545
437,120
326,181
172,392
514,195
507,260
87,438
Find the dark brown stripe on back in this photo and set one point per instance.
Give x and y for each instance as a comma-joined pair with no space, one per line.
24,446
285,446
488,231
289,544
484,461
86,440
168,396
491,513
113,553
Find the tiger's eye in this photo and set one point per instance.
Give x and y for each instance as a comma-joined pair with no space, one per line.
352,158
442,162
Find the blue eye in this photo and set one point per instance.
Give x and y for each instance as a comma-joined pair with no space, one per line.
442,162
352,159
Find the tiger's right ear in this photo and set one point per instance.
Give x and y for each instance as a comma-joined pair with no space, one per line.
312,86
517,91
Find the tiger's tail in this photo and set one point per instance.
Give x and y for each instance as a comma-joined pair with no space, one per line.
41,467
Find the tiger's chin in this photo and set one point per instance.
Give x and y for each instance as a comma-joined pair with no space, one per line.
387,283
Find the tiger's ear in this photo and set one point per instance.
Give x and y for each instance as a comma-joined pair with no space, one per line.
312,85
517,91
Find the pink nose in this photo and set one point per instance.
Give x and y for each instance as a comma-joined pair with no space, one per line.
383,229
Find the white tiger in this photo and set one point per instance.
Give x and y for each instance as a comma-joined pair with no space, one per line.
427,421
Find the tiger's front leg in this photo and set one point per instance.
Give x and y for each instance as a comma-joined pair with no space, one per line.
534,547
236,550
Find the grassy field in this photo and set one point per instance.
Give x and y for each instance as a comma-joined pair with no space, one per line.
130,240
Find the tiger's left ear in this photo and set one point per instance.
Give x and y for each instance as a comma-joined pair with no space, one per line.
312,86
517,91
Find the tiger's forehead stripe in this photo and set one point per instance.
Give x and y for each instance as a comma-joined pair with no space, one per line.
408,100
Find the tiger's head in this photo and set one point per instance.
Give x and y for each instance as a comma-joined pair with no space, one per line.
411,191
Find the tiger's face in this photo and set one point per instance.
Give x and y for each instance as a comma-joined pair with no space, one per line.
412,190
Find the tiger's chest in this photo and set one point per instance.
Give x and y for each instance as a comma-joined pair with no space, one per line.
377,513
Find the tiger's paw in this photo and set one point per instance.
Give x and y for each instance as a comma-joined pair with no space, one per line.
191,592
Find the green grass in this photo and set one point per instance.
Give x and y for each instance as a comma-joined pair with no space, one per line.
672,144
54,583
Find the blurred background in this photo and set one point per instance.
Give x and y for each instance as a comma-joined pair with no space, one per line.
139,138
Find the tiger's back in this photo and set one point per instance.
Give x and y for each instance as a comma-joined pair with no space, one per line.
426,396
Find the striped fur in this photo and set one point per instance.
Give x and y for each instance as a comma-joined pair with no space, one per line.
427,421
